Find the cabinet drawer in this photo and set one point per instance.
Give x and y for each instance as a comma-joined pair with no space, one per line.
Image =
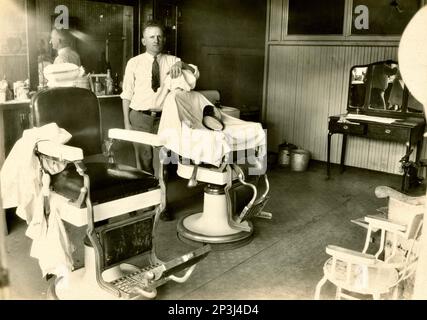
388,133
350,128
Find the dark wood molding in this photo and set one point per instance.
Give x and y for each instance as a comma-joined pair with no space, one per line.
33,72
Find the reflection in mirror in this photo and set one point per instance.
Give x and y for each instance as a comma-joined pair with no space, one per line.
102,34
357,87
386,87
413,104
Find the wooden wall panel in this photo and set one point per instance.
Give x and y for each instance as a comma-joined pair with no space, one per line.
276,17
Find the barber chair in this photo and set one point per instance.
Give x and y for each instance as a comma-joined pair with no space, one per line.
115,202
384,264
223,223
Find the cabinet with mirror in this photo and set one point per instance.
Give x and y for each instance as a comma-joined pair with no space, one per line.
380,107
378,89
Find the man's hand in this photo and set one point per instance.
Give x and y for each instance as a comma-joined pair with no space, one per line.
128,126
125,106
176,70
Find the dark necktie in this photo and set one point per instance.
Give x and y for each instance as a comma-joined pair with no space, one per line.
155,75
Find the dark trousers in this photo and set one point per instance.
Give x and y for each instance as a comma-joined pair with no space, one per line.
147,157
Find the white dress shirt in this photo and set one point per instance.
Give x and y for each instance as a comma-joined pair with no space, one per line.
137,79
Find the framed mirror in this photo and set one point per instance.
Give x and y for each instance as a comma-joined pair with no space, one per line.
358,85
104,33
378,89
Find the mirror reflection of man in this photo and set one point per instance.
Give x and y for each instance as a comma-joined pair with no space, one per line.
142,84
61,40
380,80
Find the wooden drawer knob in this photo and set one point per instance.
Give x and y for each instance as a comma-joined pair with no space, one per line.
388,131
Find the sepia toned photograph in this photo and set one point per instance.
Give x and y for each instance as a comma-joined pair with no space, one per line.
226,152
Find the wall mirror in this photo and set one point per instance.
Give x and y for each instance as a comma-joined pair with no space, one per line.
105,33
358,84
378,89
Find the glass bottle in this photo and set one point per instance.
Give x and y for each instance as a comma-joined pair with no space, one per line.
116,89
98,87
108,83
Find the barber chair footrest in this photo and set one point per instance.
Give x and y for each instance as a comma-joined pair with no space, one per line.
255,211
145,281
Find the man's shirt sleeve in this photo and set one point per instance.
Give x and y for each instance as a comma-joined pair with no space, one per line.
128,81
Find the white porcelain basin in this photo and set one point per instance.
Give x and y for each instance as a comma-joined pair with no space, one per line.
231,111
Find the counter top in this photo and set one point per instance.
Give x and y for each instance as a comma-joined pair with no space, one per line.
15,101
13,104
109,96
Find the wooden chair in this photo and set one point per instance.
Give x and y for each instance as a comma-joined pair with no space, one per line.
394,261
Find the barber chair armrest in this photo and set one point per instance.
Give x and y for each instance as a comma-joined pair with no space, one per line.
386,224
384,192
136,136
60,151
350,256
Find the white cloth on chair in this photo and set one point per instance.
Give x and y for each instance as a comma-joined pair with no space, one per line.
51,245
21,188
182,129
20,174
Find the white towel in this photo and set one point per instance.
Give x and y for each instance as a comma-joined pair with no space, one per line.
182,128
186,81
21,188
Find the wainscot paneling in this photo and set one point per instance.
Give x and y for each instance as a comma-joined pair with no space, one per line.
308,83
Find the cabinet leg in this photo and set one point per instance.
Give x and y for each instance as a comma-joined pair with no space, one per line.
328,163
405,183
419,149
343,151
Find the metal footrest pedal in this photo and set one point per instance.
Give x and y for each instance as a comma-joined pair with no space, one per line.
145,281
255,211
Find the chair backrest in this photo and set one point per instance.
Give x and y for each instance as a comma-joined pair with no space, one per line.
407,214
212,95
73,109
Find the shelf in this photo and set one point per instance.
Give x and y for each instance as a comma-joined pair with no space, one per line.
13,54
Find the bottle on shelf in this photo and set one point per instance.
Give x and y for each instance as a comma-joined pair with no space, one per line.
109,87
98,87
116,89
4,86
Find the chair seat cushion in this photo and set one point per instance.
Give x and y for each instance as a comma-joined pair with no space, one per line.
378,278
107,182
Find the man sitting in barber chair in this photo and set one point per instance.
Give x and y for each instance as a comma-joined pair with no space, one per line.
144,76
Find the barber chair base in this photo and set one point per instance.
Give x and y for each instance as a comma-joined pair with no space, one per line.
212,226
218,242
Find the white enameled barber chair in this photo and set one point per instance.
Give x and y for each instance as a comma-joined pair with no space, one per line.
221,222
224,223
107,197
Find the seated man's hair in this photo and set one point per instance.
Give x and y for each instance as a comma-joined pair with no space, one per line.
152,23
65,36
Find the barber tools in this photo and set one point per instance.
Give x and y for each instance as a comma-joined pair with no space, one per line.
212,118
